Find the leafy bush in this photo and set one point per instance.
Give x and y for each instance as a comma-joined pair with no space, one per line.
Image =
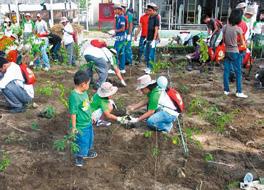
68,141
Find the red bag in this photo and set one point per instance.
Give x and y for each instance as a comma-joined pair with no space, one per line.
176,99
28,74
98,43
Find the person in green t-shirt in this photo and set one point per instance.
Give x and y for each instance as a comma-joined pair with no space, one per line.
159,117
81,122
102,105
258,30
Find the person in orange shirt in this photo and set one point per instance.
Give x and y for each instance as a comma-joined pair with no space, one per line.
143,28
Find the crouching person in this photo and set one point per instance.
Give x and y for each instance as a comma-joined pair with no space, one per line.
13,87
102,105
81,122
161,112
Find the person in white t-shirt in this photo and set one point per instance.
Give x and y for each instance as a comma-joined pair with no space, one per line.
13,87
42,31
100,59
27,26
68,40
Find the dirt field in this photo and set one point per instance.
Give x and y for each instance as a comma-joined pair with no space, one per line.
221,152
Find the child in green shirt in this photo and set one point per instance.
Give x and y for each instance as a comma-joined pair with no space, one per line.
102,105
81,122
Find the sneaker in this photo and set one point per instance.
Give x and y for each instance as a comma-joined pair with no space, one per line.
241,95
110,71
46,69
92,154
103,123
123,71
123,83
17,110
226,93
79,161
147,71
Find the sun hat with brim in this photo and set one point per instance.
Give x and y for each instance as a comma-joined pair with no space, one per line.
106,90
28,14
144,81
241,5
64,19
153,6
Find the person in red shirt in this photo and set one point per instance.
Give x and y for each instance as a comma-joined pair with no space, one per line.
143,28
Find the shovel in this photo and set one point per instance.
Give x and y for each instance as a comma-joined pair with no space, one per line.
184,144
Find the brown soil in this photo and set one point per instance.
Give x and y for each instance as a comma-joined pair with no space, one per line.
126,158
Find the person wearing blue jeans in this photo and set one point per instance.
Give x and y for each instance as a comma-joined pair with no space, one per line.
233,58
70,53
129,30
120,37
152,36
161,112
142,48
85,141
16,97
232,63
161,121
16,93
44,55
81,121
150,54
100,66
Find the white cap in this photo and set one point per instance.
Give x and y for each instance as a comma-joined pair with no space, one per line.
162,82
153,5
28,14
241,5
64,19
38,15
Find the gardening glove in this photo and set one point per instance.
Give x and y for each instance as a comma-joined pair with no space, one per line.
122,120
153,43
133,120
129,37
74,130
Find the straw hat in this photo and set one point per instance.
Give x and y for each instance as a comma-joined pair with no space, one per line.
144,81
106,90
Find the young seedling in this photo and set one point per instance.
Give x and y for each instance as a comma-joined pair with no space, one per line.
34,126
147,134
208,157
68,141
4,161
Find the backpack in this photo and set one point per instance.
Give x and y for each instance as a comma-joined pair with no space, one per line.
28,74
176,99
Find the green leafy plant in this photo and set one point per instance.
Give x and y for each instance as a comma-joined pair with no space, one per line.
208,157
197,105
232,185
203,50
4,161
147,134
155,152
64,55
62,97
68,141
160,65
34,126
45,91
48,112
77,50
175,140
